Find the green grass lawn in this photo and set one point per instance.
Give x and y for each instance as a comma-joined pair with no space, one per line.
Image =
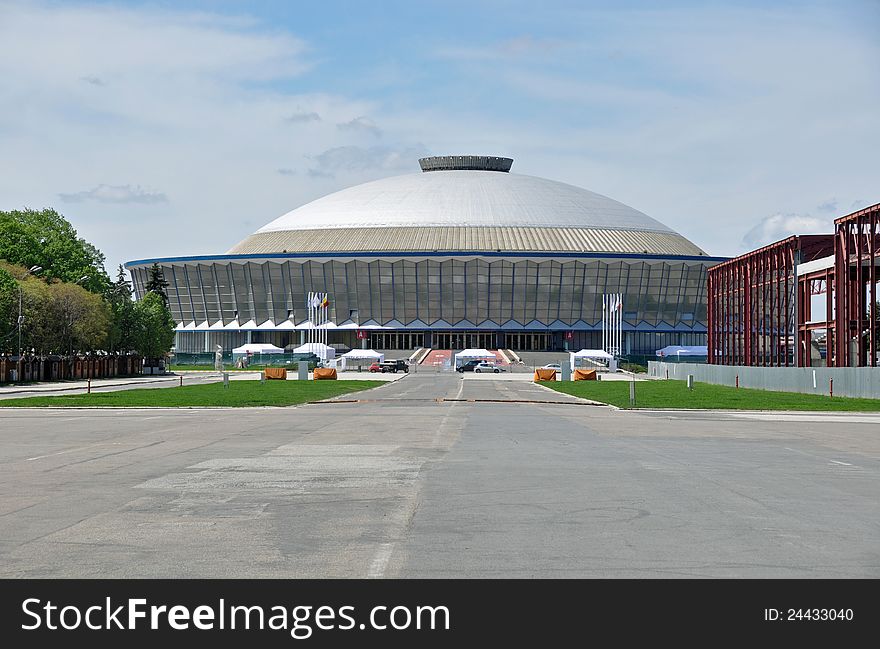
238,394
674,394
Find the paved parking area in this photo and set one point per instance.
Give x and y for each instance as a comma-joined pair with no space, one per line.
495,481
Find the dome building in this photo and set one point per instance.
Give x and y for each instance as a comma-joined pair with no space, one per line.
463,254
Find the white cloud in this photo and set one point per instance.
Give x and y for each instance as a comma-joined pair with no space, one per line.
828,206
93,80
505,49
362,159
779,226
116,194
362,124
189,105
301,116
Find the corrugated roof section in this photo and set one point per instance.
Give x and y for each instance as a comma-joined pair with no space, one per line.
454,239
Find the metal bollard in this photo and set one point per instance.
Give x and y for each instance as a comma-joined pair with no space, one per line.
632,394
225,379
88,386
181,380
831,388
737,381
690,381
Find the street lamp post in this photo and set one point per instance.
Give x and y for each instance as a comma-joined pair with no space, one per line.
31,271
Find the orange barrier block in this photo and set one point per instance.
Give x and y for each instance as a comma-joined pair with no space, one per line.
545,375
275,373
584,375
324,373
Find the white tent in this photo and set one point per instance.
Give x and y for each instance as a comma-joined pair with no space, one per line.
256,348
683,350
360,357
592,353
593,357
473,354
322,351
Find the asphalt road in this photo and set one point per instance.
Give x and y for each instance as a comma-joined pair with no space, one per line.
405,484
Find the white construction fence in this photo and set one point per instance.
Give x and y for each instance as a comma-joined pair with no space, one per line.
859,382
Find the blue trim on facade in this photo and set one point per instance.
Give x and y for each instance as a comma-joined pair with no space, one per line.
452,253
514,328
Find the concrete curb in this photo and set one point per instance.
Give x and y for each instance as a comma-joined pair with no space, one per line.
580,402
587,401
80,387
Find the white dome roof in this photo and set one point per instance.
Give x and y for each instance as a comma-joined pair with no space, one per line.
464,199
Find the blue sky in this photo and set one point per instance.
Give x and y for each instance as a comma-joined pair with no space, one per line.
164,128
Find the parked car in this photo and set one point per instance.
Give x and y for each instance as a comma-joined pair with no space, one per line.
488,367
468,366
375,367
552,366
395,366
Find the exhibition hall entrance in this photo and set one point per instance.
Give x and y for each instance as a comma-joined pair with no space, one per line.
528,342
396,340
464,340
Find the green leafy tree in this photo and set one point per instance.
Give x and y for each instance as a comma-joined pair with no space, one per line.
154,327
62,318
38,327
123,327
156,283
45,238
82,319
8,309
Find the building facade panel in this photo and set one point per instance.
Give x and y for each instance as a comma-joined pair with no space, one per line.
486,294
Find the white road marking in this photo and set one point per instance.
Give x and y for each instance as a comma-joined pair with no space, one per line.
442,425
380,560
829,460
70,450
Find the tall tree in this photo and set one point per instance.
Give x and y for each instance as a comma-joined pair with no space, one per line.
122,331
8,308
156,283
81,318
62,317
45,238
154,327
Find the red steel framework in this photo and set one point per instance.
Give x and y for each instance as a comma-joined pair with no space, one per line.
819,282
856,243
751,302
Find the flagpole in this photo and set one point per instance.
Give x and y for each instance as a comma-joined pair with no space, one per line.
619,322
604,323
